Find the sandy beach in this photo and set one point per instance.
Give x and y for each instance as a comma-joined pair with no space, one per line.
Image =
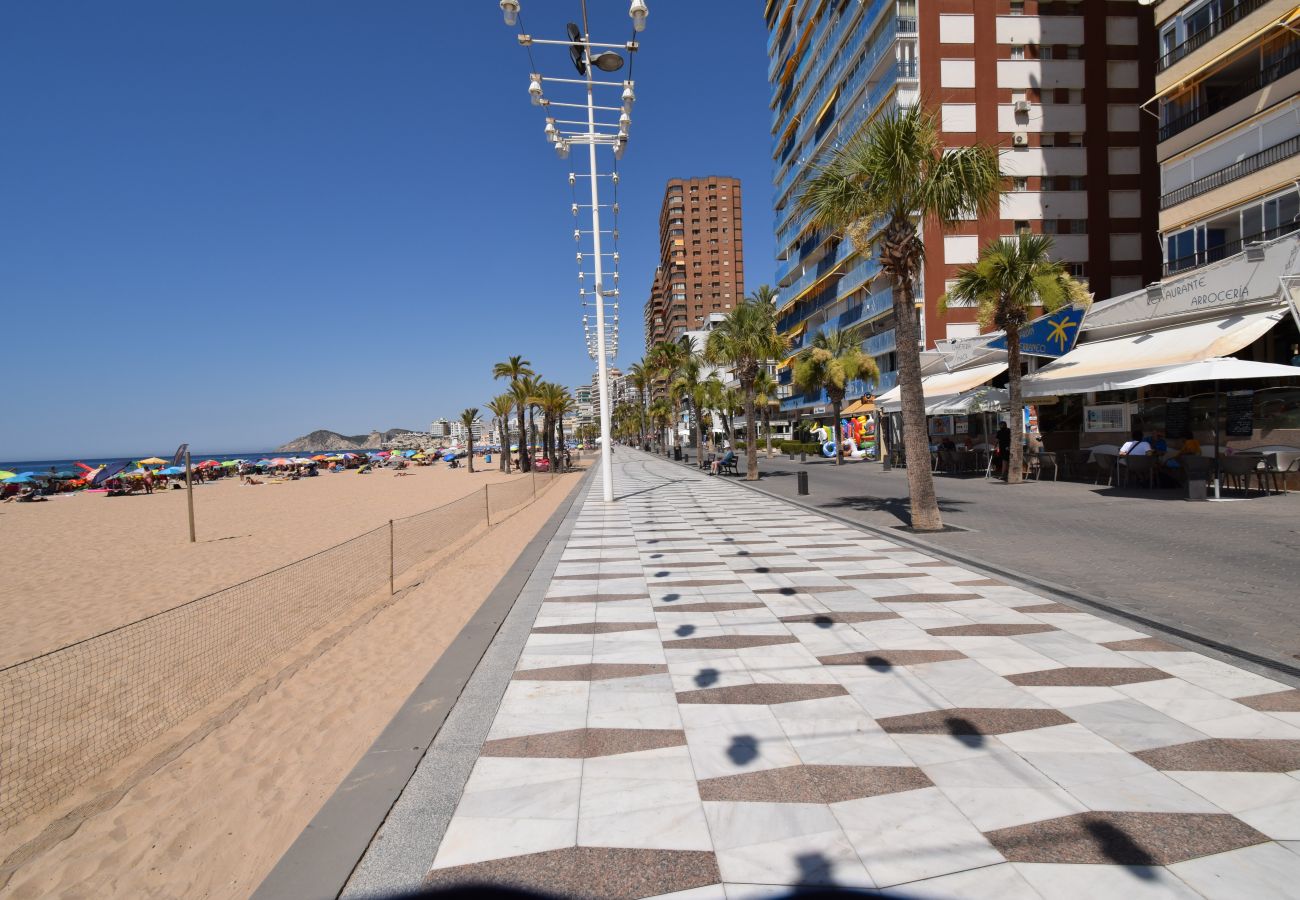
84,563
212,821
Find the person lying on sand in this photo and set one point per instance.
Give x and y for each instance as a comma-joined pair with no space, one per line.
249,479
401,474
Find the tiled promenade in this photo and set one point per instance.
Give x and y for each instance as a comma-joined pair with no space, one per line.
726,696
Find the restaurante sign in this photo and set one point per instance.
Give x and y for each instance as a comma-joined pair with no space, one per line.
1229,284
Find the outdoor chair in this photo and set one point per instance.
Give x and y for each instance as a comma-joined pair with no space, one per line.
1046,460
730,468
1105,466
1138,467
1237,469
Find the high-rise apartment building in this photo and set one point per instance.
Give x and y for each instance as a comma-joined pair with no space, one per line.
1228,95
701,256
1058,86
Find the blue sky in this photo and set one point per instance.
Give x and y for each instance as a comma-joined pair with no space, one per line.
232,223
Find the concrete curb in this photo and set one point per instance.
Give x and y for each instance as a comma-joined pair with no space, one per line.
323,859
1254,662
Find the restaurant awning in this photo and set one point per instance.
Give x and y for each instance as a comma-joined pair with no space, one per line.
1107,365
859,408
943,385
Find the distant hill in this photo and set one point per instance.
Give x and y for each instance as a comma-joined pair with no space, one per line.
332,440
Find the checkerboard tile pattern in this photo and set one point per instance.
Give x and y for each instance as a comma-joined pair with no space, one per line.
724,695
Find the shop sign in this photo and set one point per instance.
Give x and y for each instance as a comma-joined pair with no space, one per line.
819,411
1051,335
1107,417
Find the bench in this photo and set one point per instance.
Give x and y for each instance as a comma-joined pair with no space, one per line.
729,468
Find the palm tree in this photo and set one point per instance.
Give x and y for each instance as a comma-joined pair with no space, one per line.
467,418
640,377
666,359
564,404
501,406
531,385
834,359
745,340
682,391
1012,276
765,398
515,368
660,412
898,174
520,392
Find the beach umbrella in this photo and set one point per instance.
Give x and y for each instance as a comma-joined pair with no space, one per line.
24,478
207,464
172,470
279,461
5,473
231,463
153,461
320,456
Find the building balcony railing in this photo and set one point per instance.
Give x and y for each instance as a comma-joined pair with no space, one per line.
1240,169
1222,100
1231,248
1198,39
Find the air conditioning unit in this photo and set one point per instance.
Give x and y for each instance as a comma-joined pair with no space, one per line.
1023,106
1020,139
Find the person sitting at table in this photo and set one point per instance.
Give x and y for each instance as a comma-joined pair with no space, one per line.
1158,444
1138,446
947,444
1191,447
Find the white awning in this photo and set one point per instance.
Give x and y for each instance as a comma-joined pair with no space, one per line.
1106,365
943,385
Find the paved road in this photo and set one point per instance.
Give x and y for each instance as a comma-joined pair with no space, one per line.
719,695
1227,571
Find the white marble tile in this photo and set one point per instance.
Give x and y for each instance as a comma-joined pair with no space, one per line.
1132,725
912,835
1142,792
661,813
730,749
783,844
506,787
842,741
995,882
995,767
535,707
470,840
1236,792
665,763
1058,881
610,707
990,808
1264,870
1070,769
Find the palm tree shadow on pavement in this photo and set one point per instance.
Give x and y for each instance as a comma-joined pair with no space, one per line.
898,507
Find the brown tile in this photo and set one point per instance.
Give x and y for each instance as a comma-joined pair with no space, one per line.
813,784
930,564
585,743
791,590
1124,838
1087,676
591,672
970,720
991,629
712,606
777,570
880,576
750,694
886,659
1048,608
861,559
595,628
981,582
926,598
1279,701
1150,645
698,582
596,598
588,873
730,642
1225,755
842,618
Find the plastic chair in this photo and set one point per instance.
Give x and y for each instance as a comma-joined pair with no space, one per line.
1139,466
1046,460
1238,468
1105,466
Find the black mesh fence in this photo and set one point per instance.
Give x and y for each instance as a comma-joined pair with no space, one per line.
69,715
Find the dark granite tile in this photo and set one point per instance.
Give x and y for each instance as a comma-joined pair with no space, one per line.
817,546
1225,755
991,629
730,642
591,672
970,720
588,873
762,553
1279,701
981,582
712,606
887,659
930,564
584,743
777,570
1124,838
595,628
1087,676
813,784
1047,608
1149,645
842,618
926,598
596,598
751,694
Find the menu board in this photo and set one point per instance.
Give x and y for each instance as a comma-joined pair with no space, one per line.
1108,417
1241,414
1178,418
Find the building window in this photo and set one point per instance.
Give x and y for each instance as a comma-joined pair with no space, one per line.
1022,226
1017,7
1017,52
1075,139
1020,184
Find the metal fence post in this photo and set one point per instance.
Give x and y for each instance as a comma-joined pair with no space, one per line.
487,506
392,561
534,478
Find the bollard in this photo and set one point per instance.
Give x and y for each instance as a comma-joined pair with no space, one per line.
803,483
803,457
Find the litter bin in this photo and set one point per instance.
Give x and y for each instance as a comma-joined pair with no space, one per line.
803,483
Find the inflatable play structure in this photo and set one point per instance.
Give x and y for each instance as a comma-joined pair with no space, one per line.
858,434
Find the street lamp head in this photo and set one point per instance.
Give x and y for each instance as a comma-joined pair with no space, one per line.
562,148
552,133
638,12
535,89
628,96
510,10
624,123
609,61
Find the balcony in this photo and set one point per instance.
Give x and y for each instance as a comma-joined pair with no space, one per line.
1199,38
1240,169
1230,84
1228,248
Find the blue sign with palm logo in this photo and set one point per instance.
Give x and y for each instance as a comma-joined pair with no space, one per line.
1052,335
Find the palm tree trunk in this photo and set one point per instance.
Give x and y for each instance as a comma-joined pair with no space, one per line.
916,443
751,436
525,464
835,430
469,453
767,429
1016,460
